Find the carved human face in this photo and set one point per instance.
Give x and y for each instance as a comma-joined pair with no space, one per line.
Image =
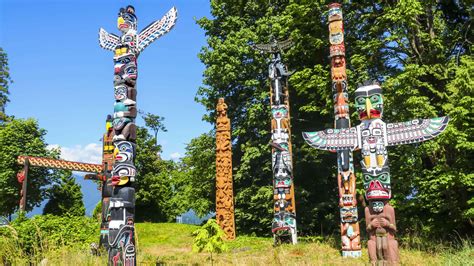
377,206
369,102
124,151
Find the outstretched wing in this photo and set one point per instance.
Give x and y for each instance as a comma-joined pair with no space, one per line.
107,40
283,45
417,130
333,139
267,48
157,29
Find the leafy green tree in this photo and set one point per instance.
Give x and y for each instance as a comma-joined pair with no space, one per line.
5,80
155,123
22,137
194,178
209,238
153,185
65,197
421,53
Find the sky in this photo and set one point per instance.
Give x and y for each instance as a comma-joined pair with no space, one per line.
64,79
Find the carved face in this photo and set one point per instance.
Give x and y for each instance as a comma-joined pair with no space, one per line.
279,112
335,12
377,206
349,214
122,173
124,151
369,102
377,186
126,19
283,221
336,34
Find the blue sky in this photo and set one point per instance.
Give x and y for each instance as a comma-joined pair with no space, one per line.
64,79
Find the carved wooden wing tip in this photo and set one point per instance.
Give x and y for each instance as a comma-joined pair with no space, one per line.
157,29
107,40
332,139
417,130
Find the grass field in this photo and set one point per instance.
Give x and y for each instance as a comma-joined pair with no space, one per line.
171,244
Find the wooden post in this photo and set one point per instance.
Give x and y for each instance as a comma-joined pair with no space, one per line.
24,185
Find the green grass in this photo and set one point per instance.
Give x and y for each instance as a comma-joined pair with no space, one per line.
171,244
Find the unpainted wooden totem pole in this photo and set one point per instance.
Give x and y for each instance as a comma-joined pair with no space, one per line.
224,182
372,137
346,180
122,203
284,221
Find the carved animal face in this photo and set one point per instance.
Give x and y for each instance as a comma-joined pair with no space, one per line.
126,19
124,151
377,206
377,186
369,102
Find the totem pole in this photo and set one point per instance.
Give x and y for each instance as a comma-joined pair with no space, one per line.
284,222
224,186
346,180
372,137
121,238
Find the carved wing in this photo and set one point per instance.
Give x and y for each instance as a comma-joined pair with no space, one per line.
333,139
283,45
417,130
157,29
267,48
107,40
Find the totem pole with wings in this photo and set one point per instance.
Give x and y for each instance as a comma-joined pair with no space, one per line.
284,222
372,137
121,231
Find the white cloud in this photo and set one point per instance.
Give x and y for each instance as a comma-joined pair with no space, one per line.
175,156
90,153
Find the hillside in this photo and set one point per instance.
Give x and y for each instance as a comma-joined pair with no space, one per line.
170,244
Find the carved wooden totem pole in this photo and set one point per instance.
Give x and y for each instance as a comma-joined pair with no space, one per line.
346,180
224,183
127,47
284,222
372,137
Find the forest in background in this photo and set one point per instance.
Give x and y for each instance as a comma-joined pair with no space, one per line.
420,52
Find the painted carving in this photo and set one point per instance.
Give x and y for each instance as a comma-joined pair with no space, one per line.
224,182
372,137
127,47
284,222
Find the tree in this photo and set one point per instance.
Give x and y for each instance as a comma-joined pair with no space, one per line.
209,238
155,123
194,179
22,137
153,182
5,80
421,53
65,197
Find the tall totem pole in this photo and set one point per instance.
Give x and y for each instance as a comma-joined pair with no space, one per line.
127,47
284,222
346,180
224,184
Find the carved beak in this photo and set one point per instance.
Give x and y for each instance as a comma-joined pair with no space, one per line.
368,108
120,21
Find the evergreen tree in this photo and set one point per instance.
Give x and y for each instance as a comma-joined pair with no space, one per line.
5,80
65,197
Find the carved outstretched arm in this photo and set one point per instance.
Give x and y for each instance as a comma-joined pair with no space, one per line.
157,29
417,130
333,139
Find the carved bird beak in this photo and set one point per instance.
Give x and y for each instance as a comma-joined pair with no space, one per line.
368,108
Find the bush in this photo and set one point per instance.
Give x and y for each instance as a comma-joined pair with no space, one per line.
46,233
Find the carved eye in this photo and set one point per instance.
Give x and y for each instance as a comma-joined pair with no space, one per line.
367,178
365,133
383,177
374,98
360,100
376,132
